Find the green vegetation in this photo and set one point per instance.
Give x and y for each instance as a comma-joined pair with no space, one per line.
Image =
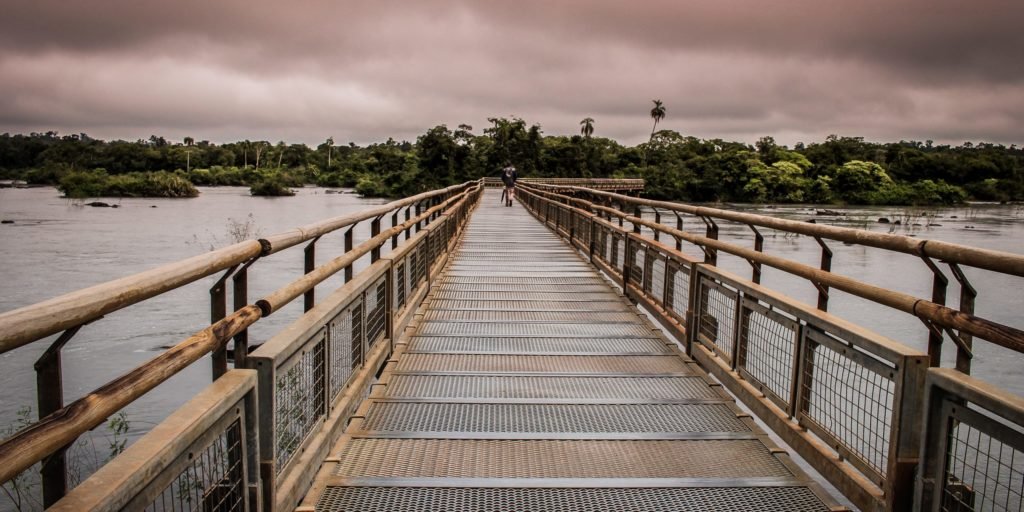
272,185
676,167
97,183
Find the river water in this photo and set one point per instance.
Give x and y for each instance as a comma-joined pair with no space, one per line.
56,245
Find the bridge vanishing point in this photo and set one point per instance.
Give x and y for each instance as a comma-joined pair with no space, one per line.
556,355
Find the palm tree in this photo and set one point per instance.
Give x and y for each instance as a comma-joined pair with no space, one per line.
588,127
330,145
657,113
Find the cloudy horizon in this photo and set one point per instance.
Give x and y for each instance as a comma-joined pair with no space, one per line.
361,72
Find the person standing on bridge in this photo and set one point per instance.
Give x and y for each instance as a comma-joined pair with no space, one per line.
509,177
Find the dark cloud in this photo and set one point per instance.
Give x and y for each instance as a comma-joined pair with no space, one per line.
366,70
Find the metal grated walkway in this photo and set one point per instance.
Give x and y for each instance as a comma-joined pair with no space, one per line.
532,384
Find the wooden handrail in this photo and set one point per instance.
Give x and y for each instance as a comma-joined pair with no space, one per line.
25,325
996,261
941,315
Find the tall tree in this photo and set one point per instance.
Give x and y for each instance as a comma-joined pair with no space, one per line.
657,113
330,146
588,127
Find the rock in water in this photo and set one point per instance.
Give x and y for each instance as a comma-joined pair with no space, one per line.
98,204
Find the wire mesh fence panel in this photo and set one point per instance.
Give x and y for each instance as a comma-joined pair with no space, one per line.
655,276
677,290
343,333
983,472
298,399
618,252
982,464
637,255
376,303
716,315
213,480
768,341
358,331
401,285
421,262
847,398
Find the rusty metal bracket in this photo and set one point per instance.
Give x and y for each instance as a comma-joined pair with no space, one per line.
967,296
939,285
657,220
309,264
679,226
710,255
758,247
50,398
826,265
961,344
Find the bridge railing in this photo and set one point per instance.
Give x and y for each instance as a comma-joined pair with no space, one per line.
615,184
848,400
973,455
314,373
202,457
59,425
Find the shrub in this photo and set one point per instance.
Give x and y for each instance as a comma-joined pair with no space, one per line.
271,186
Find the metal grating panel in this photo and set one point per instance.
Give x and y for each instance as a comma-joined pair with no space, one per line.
561,296
483,258
513,458
547,330
492,266
537,345
550,418
535,281
474,386
549,317
424,499
539,363
528,305
601,288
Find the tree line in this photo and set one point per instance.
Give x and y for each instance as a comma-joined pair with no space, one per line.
675,167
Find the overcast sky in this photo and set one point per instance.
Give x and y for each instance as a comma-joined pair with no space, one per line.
225,70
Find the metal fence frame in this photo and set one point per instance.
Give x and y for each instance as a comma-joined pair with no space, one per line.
167,456
972,446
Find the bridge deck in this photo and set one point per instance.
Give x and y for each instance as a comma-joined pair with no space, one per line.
531,383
